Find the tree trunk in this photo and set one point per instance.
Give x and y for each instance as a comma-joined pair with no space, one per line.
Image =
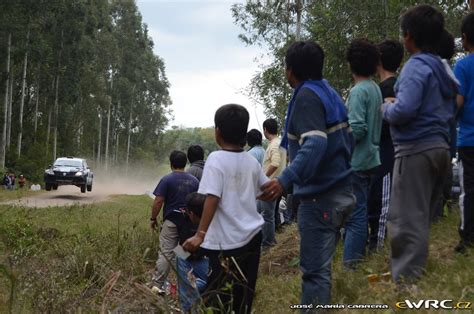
10,106
106,160
22,101
299,10
48,129
117,147
5,109
48,132
106,166
128,141
56,113
36,110
56,101
100,140
471,5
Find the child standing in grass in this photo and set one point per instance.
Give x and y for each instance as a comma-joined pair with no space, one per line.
193,269
419,124
464,71
230,227
365,119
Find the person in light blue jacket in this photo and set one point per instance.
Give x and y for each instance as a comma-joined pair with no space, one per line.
254,141
419,123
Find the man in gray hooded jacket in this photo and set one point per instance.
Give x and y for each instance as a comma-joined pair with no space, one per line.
419,123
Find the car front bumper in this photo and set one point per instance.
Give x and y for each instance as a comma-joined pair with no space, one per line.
61,179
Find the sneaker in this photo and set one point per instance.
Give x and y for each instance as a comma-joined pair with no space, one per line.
159,287
460,248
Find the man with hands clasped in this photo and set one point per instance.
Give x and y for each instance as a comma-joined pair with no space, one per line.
319,144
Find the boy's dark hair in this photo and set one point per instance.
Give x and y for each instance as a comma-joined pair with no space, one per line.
363,57
195,203
254,138
178,159
305,59
195,153
391,54
446,45
425,24
271,125
232,121
467,28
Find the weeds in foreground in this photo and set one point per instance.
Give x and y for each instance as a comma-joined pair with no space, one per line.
99,258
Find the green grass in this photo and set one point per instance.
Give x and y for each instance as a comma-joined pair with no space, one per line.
98,257
448,275
8,195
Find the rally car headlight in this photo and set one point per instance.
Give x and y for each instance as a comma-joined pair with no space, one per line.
49,171
79,173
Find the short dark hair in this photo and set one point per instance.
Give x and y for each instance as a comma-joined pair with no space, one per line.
271,125
305,60
178,159
391,54
195,153
446,45
232,121
467,27
363,57
425,24
254,138
195,203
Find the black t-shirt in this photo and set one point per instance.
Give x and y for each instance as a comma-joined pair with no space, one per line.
186,229
387,87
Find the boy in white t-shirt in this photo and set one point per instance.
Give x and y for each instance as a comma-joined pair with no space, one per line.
230,227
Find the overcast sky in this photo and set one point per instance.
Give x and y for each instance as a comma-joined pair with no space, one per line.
206,64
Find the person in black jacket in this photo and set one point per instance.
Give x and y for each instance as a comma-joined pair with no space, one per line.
192,268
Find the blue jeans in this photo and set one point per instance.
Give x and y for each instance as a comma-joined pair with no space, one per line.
189,292
356,226
318,225
267,210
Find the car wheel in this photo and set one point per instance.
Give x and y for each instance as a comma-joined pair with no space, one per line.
89,188
83,188
55,187
47,187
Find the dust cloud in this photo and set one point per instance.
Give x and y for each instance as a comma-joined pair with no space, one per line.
104,186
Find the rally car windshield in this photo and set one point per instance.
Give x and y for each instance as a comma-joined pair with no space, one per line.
68,163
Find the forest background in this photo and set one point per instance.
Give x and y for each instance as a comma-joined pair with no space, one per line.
79,77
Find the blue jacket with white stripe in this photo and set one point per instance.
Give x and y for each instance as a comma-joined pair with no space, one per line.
320,142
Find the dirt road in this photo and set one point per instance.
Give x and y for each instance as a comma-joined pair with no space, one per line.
70,195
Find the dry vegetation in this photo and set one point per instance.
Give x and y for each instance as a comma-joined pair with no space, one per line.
99,257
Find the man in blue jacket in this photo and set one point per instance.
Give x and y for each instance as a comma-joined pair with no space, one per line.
418,120
319,145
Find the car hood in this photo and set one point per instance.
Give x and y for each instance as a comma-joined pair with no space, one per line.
67,169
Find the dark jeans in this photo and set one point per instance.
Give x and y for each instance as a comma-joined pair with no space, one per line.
466,200
242,278
318,224
267,210
192,279
356,226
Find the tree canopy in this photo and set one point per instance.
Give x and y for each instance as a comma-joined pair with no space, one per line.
331,23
